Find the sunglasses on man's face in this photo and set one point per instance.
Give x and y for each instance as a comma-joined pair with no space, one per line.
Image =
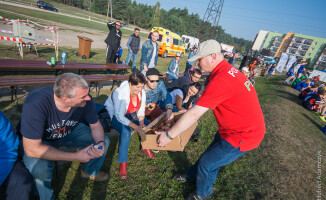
177,56
152,81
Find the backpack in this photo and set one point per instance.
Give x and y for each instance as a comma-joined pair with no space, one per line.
103,116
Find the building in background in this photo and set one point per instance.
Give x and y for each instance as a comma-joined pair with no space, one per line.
259,40
321,62
302,46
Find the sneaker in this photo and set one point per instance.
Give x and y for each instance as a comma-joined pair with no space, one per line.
100,177
195,196
322,118
180,177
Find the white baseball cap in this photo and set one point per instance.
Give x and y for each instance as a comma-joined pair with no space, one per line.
245,69
206,48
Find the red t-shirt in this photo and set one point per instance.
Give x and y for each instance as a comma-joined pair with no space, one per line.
131,107
316,78
236,107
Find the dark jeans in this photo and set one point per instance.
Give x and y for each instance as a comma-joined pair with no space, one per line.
110,54
19,183
41,169
204,171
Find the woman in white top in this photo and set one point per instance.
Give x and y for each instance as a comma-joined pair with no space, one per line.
182,98
126,106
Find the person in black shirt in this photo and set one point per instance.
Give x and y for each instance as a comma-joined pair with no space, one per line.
113,41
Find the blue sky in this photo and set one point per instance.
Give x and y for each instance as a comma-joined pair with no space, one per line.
244,18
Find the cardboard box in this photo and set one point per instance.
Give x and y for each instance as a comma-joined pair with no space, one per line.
149,141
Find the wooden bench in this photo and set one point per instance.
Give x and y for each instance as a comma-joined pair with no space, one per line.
94,81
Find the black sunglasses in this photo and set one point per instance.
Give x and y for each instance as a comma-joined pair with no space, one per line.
152,81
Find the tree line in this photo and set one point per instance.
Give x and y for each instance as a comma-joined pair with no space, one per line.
176,19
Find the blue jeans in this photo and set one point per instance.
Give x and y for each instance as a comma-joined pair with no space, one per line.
269,74
173,76
134,58
42,169
204,171
125,134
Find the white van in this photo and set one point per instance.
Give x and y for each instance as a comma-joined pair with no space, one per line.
188,39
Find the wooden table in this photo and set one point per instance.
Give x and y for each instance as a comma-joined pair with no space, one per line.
42,65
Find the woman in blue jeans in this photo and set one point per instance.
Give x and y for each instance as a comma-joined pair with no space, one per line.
126,106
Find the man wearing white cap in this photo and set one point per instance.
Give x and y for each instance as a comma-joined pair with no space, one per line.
241,124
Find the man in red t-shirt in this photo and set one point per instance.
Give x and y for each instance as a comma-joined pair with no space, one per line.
234,102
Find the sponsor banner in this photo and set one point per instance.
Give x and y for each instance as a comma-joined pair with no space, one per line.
283,60
292,60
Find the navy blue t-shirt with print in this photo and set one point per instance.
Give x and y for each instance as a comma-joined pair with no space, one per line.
41,119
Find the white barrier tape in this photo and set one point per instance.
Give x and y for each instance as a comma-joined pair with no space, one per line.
21,21
46,27
5,31
19,40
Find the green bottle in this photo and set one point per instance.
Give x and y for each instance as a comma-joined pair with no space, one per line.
53,61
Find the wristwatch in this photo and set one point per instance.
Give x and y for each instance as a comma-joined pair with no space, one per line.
169,136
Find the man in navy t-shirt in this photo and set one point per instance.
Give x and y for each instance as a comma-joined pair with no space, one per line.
52,118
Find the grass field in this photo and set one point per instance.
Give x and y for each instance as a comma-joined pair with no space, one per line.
284,166
14,12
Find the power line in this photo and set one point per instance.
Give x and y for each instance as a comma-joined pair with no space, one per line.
271,24
264,20
278,13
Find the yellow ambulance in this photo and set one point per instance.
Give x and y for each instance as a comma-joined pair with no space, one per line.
170,43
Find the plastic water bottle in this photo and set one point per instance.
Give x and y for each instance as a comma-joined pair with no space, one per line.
53,61
63,57
96,147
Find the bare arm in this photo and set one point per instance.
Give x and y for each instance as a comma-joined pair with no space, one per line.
187,119
97,131
98,136
36,149
178,103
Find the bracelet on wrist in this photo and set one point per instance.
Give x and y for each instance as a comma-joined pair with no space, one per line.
100,142
168,135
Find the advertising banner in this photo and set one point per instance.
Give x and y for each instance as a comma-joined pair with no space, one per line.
283,60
